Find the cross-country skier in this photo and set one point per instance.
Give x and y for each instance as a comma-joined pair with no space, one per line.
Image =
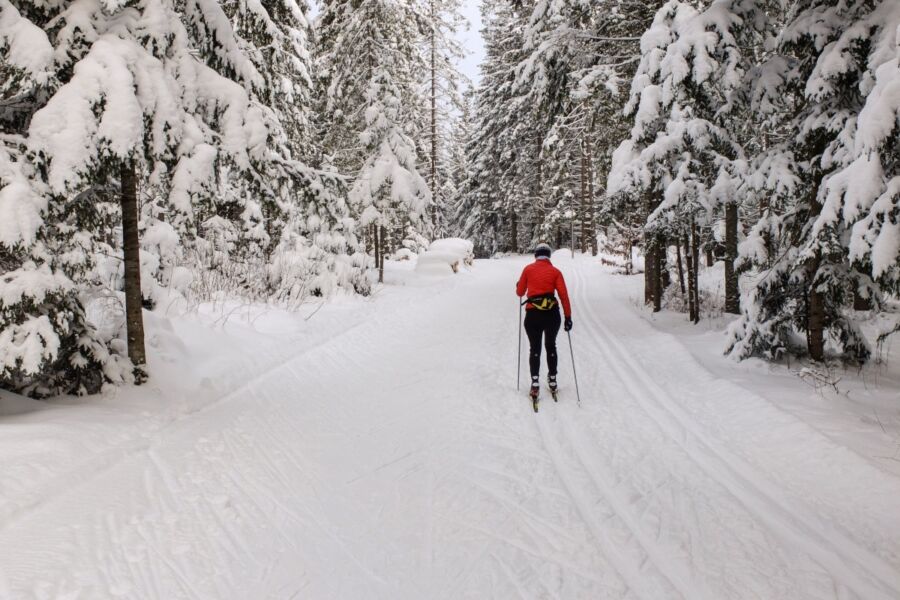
540,280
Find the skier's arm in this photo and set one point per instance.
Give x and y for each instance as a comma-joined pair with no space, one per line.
563,294
522,285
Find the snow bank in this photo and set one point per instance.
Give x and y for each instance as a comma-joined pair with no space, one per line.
449,253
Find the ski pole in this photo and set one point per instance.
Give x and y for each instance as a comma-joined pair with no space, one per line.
574,373
519,357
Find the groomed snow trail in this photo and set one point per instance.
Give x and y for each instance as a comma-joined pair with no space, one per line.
396,460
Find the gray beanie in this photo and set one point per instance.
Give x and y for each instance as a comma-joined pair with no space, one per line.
542,249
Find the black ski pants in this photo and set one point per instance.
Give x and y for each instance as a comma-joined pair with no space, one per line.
542,323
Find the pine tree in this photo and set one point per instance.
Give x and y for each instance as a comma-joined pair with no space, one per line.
441,21
683,156
369,64
835,180
502,150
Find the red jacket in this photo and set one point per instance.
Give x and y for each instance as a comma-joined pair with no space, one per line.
540,278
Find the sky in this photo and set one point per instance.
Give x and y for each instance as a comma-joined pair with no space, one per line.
471,40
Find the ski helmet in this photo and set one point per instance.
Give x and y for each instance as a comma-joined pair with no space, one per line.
542,249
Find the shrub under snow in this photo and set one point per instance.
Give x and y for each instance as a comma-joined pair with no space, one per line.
444,256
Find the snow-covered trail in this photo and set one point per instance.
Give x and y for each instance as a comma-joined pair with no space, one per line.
396,460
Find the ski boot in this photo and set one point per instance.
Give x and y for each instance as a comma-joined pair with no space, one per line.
551,383
535,392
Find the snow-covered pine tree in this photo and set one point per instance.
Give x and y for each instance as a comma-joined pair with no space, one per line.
863,190
683,158
371,68
441,21
314,249
503,150
555,49
388,190
460,133
838,170
47,345
559,185
338,95
279,31
475,216
577,55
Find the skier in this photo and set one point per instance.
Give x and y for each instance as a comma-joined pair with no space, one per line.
540,280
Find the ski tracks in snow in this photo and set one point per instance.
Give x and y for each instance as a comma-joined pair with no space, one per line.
716,484
396,461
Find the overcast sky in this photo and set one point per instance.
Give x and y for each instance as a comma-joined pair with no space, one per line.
471,40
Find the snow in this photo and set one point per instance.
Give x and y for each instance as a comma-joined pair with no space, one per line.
377,448
446,256
26,45
28,344
21,205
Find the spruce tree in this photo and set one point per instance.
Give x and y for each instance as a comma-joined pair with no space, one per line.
834,183
684,158
369,65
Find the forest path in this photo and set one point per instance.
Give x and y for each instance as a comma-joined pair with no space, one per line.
397,460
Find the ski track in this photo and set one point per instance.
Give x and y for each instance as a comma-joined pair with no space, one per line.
860,570
396,460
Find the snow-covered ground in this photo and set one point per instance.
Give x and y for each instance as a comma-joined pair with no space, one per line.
378,449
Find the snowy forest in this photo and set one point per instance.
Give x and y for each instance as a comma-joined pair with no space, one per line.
155,150
265,266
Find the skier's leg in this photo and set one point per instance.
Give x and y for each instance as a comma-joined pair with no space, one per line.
550,332
533,329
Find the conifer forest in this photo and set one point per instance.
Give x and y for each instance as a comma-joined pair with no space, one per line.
284,236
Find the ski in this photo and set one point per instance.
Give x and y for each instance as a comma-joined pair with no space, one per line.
535,396
555,394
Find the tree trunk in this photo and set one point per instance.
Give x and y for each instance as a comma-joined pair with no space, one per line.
689,259
584,199
513,231
815,300
764,209
815,325
559,236
538,183
653,272
375,244
134,318
660,255
695,283
680,267
710,259
665,278
591,222
732,291
434,140
649,269
380,246
629,251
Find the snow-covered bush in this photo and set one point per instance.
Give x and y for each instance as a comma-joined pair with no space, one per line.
403,254
446,256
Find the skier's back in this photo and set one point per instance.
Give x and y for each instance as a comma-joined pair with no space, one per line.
542,281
